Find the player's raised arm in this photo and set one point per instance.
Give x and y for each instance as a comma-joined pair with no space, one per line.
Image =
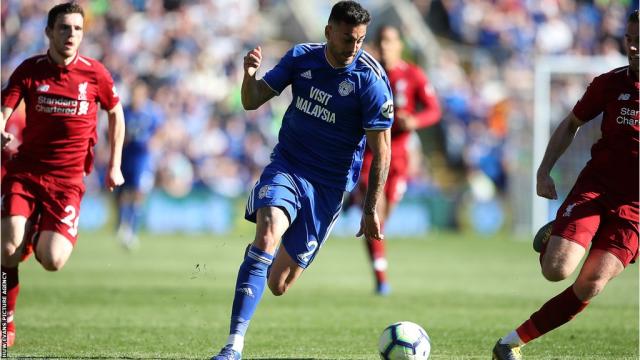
559,142
116,139
6,137
254,92
380,143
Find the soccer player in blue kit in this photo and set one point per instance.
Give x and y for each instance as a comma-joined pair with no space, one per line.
341,102
143,119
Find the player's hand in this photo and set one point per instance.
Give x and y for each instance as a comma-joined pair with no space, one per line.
114,178
405,120
545,186
252,61
370,227
6,139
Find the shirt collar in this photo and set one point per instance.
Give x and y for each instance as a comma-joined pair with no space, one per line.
67,67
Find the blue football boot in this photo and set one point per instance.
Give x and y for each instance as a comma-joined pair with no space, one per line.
227,353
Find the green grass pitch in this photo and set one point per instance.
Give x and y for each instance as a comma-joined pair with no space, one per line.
171,300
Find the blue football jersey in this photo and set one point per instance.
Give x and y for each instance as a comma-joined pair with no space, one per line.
322,133
140,126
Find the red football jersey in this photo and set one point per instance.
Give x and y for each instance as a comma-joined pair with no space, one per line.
61,113
412,93
614,157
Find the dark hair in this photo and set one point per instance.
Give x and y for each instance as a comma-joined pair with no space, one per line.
633,17
71,7
349,12
382,29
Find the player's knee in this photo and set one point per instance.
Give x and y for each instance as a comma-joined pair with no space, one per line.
278,288
266,241
52,263
555,272
556,268
9,252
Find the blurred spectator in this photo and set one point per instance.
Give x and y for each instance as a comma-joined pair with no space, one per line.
188,52
143,119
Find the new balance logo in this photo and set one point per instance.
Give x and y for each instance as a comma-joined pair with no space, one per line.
246,291
624,96
306,74
568,210
43,88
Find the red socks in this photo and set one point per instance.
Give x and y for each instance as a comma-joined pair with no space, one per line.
378,259
554,313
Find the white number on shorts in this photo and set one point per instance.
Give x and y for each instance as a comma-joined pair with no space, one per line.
71,220
312,246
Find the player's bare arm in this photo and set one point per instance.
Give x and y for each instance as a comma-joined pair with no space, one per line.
116,139
380,143
559,142
6,137
428,116
406,121
254,92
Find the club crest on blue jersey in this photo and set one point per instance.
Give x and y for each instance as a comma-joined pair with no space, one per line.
346,87
263,191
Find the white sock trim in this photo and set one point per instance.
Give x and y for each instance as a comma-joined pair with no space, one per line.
512,339
236,341
380,264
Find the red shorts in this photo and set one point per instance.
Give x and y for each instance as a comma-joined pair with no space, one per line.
396,184
589,216
57,201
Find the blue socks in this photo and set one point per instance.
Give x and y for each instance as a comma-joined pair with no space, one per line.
130,215
135,215
252,278
124,215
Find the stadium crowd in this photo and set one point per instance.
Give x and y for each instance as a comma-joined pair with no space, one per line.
485,74
189,52
190,55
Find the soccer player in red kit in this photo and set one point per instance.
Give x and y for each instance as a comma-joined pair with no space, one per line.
602,207
44,182
416,107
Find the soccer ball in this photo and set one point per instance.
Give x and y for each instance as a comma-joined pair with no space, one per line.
404,341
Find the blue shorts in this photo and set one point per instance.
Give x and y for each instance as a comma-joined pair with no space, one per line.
138,173
312,209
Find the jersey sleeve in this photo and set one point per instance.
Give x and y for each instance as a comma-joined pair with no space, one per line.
280,76
426,96
16,87
592,102
107,94
377,105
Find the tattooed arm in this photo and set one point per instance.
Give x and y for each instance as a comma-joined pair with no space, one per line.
380,143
